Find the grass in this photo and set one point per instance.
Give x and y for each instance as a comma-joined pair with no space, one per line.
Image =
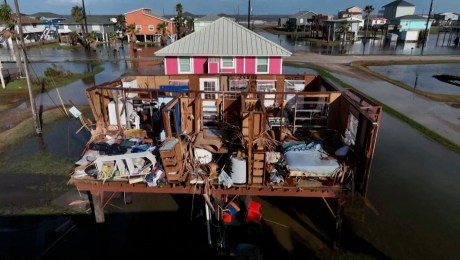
17,91
424,130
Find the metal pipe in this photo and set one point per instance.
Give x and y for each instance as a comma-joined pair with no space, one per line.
208,224
425,37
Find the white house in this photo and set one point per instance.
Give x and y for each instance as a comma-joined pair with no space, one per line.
398,8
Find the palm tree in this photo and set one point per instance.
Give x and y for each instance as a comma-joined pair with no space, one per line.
162,28
79,17
9,32
190,21
112,37
344,28
368,10
92,40
131,32
73,36
121,24
179,21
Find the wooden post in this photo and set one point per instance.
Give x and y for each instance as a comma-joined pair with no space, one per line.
1,75
95,199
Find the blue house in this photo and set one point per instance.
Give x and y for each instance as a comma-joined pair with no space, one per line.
409,27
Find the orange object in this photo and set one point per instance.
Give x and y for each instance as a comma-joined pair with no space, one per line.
254,212
227,218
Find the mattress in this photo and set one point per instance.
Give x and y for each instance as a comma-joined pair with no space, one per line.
310,161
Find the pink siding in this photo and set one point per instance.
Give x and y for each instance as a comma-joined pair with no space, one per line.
275,65
250,65
227,70
171,66
200,65
239,65
213,68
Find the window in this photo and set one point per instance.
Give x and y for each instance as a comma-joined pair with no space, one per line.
262,65
301,20
178,82
151,27
227,63
213,59
267,86
239,85
184,65
138,27
209,86
352,130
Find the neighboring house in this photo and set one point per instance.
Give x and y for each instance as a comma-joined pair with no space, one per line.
101,24
147,24
398,8
223,47
204,21
301,20
32,29
446,18
409,27
332,31
351,12
375,22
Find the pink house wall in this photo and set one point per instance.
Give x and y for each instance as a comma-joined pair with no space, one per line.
213,67
243,65
200,65
239,65
274,64
250,65
171,65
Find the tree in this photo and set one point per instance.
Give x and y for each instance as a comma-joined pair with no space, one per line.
131,31
368,10
190,22
112,37
92,40
10,32
121,25
162,28
344,28
179,21
79,17
73,37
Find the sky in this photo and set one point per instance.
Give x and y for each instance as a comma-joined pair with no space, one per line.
259,7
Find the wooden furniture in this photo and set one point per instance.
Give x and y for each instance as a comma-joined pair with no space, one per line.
172,156
258,169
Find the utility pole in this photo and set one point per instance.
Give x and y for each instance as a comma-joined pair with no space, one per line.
249,15
35,116
84,14
425,36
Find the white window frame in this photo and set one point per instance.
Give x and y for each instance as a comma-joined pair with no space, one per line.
268,86
151,27
257,65
240,85
227,59
179,65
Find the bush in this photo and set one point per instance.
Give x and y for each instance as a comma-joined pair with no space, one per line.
57,71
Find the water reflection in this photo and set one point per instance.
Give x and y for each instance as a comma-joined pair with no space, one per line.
421,76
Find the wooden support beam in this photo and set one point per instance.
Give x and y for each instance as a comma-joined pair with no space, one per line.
96,197
339,222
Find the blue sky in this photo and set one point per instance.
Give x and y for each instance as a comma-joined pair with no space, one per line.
222,6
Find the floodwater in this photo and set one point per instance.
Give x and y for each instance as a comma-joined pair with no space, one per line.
375,47
421,76
414,191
